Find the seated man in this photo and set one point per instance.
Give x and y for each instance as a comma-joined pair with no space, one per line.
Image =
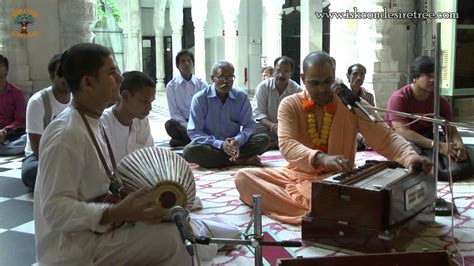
217,115
179,92
267,72
269,93
42,108
12,114
126,123
417,98
355,76
75,221
318,138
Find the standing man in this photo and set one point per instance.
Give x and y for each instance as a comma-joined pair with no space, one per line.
76,222
126,123
356,76
317,138
217,115
179,92
42,108
12,114
269,93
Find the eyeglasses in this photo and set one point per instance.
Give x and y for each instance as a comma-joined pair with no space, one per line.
222,78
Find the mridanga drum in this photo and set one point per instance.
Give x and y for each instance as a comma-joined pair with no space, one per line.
165,172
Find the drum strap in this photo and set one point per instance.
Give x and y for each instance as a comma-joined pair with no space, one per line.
115,184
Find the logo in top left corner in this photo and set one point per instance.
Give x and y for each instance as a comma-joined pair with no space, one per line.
24,19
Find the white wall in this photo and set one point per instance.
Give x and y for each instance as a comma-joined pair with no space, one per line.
48,39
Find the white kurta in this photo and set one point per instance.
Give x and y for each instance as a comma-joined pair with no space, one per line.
125,139
70,176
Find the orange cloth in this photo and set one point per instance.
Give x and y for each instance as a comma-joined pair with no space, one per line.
286,192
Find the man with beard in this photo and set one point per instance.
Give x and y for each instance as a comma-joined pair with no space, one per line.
126,123
317,137
269,93
356,76
179,92
216,117
42,108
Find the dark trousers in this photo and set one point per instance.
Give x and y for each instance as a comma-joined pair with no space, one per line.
262,129
13,147
210,157
178,133
29,169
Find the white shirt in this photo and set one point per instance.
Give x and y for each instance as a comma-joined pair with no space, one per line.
70,176
179,93
35,114
125,139
267,99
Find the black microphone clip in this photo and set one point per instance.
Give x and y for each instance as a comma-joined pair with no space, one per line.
179,216
350,99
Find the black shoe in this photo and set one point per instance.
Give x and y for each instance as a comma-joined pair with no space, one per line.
443,207
177,143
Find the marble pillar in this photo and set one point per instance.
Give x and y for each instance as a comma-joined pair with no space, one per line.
176,21
311,26
273,11
230,12
132,37
159,25
76,20
199,15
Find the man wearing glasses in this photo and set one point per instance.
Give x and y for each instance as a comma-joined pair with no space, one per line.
221,126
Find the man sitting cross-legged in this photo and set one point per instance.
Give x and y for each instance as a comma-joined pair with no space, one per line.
76,219
126,123
318,138
42,108
216,117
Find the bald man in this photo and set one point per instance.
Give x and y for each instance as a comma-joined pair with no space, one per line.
317,136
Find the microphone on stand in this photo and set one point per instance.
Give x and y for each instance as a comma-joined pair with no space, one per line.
178,215
349,99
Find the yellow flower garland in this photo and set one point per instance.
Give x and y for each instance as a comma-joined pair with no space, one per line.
320,140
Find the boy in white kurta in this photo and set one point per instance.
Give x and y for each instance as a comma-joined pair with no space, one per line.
126,123
73,227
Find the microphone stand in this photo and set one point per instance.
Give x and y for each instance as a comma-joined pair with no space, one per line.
254,240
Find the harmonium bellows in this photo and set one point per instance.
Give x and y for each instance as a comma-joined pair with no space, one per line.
375,199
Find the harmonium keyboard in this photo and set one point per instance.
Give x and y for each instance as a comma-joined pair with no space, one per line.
378,207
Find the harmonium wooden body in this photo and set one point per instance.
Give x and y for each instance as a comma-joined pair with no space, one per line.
379,207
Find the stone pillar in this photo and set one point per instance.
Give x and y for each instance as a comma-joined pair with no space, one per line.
159,25
230,13
343,38
132,37
273,10
387,76
310,28
76,20
367,37
176,20
199,14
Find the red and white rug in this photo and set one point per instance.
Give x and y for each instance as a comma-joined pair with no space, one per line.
219,197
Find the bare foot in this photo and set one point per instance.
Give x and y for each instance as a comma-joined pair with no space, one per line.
254,160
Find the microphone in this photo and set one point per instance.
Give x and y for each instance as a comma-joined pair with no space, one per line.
178,215
349,99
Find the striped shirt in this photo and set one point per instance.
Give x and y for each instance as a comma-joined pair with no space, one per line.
12,107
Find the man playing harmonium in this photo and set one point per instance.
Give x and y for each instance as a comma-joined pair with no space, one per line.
318,138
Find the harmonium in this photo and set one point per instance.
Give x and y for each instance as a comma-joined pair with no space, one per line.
379,207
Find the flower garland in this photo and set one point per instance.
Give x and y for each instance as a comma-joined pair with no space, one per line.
320,140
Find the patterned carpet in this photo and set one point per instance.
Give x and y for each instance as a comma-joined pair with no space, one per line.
219,197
